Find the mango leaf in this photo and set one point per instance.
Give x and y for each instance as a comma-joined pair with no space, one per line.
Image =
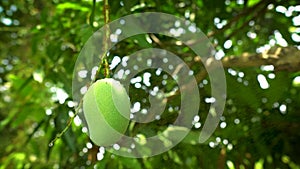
128,4
69,5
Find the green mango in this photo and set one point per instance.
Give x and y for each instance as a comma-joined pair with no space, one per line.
106,108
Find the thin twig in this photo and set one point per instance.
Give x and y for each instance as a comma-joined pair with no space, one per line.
236,18
103,58
71,119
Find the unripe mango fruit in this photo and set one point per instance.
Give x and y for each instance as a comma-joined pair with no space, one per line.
106,108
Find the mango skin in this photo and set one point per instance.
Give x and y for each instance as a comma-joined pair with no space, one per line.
106,108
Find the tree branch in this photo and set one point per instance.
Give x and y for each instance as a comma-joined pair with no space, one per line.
282,58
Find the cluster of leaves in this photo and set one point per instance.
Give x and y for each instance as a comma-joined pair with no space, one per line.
40,41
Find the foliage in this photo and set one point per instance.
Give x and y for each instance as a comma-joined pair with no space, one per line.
41,40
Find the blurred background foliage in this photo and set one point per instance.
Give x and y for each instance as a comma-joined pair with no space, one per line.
41,39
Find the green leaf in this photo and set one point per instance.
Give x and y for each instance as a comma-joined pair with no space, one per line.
128,4
69,5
